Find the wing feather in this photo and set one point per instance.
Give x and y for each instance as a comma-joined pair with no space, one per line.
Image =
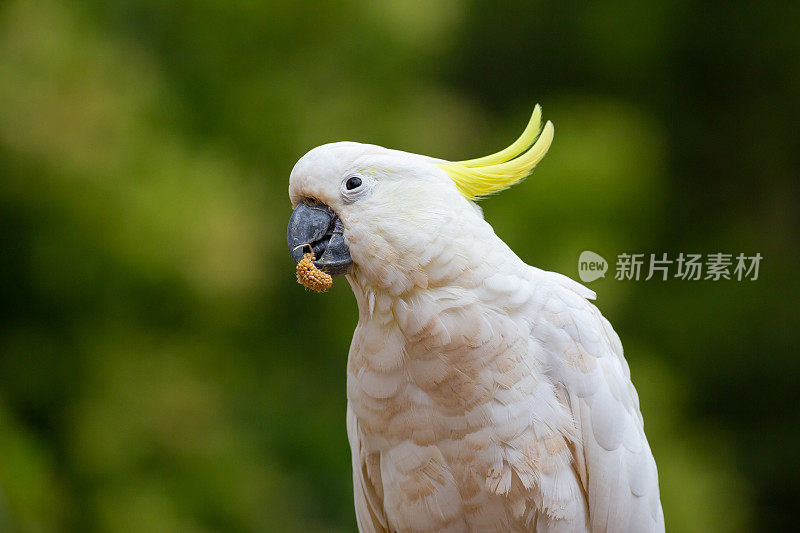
367,493
612,459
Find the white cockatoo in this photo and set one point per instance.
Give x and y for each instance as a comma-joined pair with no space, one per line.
483,394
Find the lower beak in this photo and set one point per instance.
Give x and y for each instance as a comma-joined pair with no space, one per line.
317,228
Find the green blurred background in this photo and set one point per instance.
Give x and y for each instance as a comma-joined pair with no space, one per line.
160,369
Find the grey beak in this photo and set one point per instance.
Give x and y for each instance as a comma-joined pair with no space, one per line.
317,228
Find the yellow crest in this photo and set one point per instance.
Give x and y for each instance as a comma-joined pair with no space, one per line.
476,178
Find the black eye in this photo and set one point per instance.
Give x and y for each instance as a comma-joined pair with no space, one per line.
353,183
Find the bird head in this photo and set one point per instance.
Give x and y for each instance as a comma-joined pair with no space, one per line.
385,213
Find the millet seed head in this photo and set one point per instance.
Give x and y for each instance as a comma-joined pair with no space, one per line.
310,276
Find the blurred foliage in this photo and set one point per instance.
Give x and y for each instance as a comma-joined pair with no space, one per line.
161,371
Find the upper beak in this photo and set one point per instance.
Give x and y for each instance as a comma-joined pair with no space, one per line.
317,228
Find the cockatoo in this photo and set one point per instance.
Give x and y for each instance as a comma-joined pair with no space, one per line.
483,394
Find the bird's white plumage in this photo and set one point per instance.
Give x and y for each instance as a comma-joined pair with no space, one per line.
483,394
